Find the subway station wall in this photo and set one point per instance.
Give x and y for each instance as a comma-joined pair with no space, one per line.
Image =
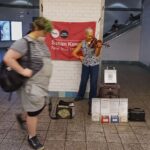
126,47
145,35
17,14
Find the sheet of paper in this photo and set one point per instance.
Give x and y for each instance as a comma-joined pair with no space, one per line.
110,76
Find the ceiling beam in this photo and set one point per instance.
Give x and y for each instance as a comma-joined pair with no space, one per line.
19,6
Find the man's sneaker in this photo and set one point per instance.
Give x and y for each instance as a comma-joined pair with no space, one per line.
21,122
35,144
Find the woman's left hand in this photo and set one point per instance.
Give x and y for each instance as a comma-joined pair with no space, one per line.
98,45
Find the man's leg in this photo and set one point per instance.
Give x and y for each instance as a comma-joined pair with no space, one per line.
32,125
32,120
21,118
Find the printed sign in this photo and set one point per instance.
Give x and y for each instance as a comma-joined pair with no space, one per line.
64,38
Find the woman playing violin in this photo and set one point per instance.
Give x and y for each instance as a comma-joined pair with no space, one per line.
91,49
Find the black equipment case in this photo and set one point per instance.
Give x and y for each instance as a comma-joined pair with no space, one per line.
136,114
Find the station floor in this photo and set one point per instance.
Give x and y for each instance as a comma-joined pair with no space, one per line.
81,133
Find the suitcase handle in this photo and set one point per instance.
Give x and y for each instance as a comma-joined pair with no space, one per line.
110,67
135,109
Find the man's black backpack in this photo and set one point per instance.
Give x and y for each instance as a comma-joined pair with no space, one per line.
10,80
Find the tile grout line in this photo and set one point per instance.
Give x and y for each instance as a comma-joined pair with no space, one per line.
136,136
66,135
85,133
119,137
105,135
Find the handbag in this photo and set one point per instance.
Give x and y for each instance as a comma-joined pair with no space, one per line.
62,110
65,110
10,80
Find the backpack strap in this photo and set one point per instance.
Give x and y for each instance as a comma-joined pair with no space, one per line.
28,63
28,52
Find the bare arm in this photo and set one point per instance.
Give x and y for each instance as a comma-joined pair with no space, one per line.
76,51
10,59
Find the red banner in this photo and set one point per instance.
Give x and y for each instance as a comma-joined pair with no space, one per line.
65,37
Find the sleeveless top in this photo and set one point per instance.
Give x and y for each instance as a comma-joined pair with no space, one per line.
89,55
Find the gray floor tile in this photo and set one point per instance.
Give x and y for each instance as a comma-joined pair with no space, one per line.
75,136
110,128
8,117
75,127
132,147
58,126
128,138
6,125
145,146
112,138
94,128
115,146
77,119
143,138
95,136
15,135
75,145
3,133
54,145
10,144
124,129
138,124
141,130
55,135
97,146
25,147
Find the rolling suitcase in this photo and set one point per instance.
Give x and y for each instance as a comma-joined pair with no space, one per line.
108,90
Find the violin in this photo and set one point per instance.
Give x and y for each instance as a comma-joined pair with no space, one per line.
94,42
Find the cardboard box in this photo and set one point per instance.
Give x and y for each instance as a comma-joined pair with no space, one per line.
114,106
105,106
123,110
96,109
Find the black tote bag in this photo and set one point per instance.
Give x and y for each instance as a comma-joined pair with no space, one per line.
10,80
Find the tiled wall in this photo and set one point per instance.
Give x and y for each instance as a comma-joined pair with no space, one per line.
66,74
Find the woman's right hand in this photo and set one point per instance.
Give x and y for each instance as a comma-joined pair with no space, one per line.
27,72
81,58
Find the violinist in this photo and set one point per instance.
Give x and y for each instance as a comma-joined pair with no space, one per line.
91,48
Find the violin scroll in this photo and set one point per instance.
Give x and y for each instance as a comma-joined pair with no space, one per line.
106,44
